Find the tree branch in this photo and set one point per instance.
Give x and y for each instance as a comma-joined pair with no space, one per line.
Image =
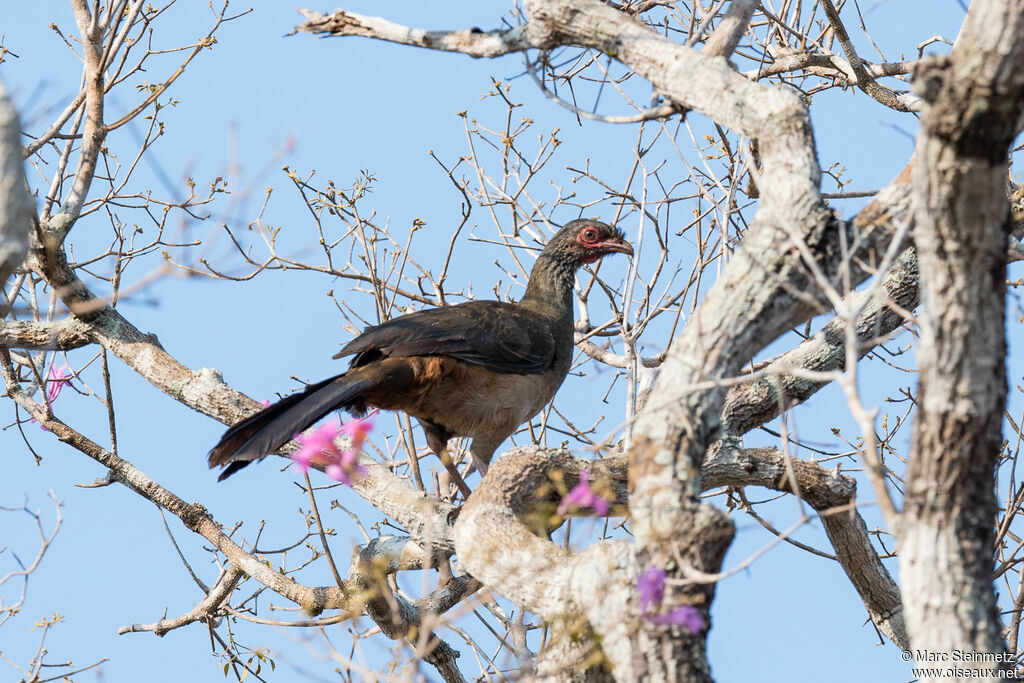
730,29
393,613
94,132
501,539
205,610
864,80
974,100
833,496
470,41
62,335
778,387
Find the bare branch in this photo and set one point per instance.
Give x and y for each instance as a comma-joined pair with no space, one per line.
205,610
470,41
864,80
94,132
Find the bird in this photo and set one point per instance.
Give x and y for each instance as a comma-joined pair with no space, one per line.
477,369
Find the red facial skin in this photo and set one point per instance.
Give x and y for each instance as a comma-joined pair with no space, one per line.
590,238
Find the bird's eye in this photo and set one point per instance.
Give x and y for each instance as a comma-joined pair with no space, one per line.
589,235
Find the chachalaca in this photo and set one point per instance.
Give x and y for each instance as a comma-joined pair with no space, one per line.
478,369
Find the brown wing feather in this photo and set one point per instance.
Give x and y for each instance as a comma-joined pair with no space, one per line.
499,336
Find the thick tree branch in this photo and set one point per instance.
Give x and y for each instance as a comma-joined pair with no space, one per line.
787,60
726,36
974,100
507,516
781,386
882,312
492,537
62,335
833,496
501,539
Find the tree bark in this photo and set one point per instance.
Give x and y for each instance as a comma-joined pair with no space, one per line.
974,100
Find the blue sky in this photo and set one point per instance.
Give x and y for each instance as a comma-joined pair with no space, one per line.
260,100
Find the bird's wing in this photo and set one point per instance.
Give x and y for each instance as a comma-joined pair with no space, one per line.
499,336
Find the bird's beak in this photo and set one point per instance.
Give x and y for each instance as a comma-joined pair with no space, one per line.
617,245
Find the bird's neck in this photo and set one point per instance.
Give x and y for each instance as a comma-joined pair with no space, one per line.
549,291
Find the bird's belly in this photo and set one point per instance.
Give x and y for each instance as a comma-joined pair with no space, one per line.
473,399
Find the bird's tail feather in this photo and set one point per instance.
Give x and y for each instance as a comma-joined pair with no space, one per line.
266,431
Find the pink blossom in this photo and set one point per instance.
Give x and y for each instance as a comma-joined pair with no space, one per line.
56,379
266,403
318,446
582,496
347,468
650,586
357,429
686,616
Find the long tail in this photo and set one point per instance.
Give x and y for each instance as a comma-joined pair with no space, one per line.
255,437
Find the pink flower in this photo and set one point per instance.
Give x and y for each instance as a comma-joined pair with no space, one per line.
582,496
318,446
347,468
266,403
56,379
357,429
686,616
650,586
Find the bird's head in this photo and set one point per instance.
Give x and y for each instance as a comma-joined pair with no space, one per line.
586,240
